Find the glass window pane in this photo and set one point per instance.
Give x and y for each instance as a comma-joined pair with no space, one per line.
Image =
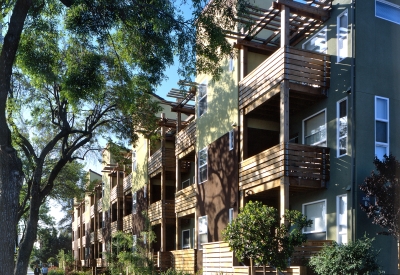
381,108
202,174
380,151
315,130
316,213
381,132
387,11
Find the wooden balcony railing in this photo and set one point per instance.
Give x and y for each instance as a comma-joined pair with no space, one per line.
296,65
116,226
92,210
100,262
186,139
164,157
306,166
83,239
127,222
128,182
100,234
99,204
161,209
185,201
117,192
303,253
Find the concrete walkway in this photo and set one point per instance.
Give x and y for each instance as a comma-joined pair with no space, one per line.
30,271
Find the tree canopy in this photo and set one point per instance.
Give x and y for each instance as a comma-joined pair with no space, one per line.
258,234
383,189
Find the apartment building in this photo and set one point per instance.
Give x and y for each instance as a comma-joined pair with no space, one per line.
295,121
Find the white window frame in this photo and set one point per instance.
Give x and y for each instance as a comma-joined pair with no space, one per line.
321,33
339,220
202,230
326,133
203,166
306,230
231,64
134,161
202,98
338,126
134,203
230,215
231,140
134,242
342,44
183,183
378,119
188,245
385,15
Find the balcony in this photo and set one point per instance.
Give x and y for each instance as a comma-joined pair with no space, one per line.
308,74
306,166
116,226
128,182
185,201
161,209
99,204
184,260
162,158
92,237
117,192
100,262
100,234
186,140
92,211
127,222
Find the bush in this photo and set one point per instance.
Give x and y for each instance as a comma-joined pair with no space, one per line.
173,272
56,271
358,257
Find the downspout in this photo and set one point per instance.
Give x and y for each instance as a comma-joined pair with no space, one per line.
353,132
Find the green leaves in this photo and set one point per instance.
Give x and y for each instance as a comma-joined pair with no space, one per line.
358,257
257,233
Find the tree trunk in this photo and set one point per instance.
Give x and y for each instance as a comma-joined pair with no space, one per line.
11,176
10,185
26,244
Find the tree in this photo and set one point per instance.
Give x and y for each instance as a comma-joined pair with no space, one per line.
258,234
63,42
383,189
357,257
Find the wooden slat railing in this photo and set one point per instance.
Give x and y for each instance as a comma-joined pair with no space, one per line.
127,222
116,226
217,258
92,210
117,192
161,209
305,165
164,157
184,260
296,65
99,204
128,182
100,234
303,253
186,138
100,262
185,201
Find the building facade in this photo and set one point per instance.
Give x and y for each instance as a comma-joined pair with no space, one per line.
295,121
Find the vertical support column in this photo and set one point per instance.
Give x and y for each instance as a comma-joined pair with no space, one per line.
163,191
284,111
243,136
177,182
178,229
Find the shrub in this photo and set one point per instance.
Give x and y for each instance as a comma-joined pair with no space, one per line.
173,272
358,257
56,271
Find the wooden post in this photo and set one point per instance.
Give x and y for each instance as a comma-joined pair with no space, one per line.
285,14
243,136
163,191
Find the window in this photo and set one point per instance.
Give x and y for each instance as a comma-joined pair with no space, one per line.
231,64
134,242
203,231
134,203
231,140
315,211
387,11
381,127
134,162
230,215
342,36
314,129
145,191
317,43
186,238
342,127
203,155
202,99
341,204
185,183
